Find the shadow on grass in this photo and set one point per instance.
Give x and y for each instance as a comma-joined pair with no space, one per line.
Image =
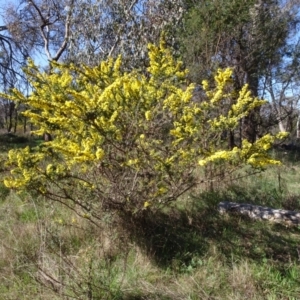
168,239
176,239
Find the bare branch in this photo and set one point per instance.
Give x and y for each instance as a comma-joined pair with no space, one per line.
67,33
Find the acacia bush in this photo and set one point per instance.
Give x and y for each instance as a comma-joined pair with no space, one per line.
128,142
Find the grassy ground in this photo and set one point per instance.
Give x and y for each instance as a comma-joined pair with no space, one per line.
187,252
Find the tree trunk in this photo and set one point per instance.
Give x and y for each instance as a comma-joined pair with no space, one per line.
15,120
298,127
47,137
251,121
231,140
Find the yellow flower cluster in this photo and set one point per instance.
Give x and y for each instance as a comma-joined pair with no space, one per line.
163,65
254,154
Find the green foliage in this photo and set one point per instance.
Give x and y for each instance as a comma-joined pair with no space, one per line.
249,35
128,141
207,24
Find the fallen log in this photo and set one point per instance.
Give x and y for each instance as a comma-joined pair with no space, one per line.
258,212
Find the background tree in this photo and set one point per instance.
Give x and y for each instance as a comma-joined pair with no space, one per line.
91,30
250,36
12,58
120,27
281,86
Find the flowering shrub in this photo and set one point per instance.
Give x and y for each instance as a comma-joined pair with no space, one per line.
127,141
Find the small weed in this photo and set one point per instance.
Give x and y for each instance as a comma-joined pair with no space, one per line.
28,216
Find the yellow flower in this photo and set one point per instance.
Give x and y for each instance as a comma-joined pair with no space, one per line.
100,153
148,115
146,204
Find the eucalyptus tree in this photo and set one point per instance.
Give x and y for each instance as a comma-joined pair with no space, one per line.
91,30
250,36
281,85
114,27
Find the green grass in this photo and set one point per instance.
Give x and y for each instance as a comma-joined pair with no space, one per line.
189,251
